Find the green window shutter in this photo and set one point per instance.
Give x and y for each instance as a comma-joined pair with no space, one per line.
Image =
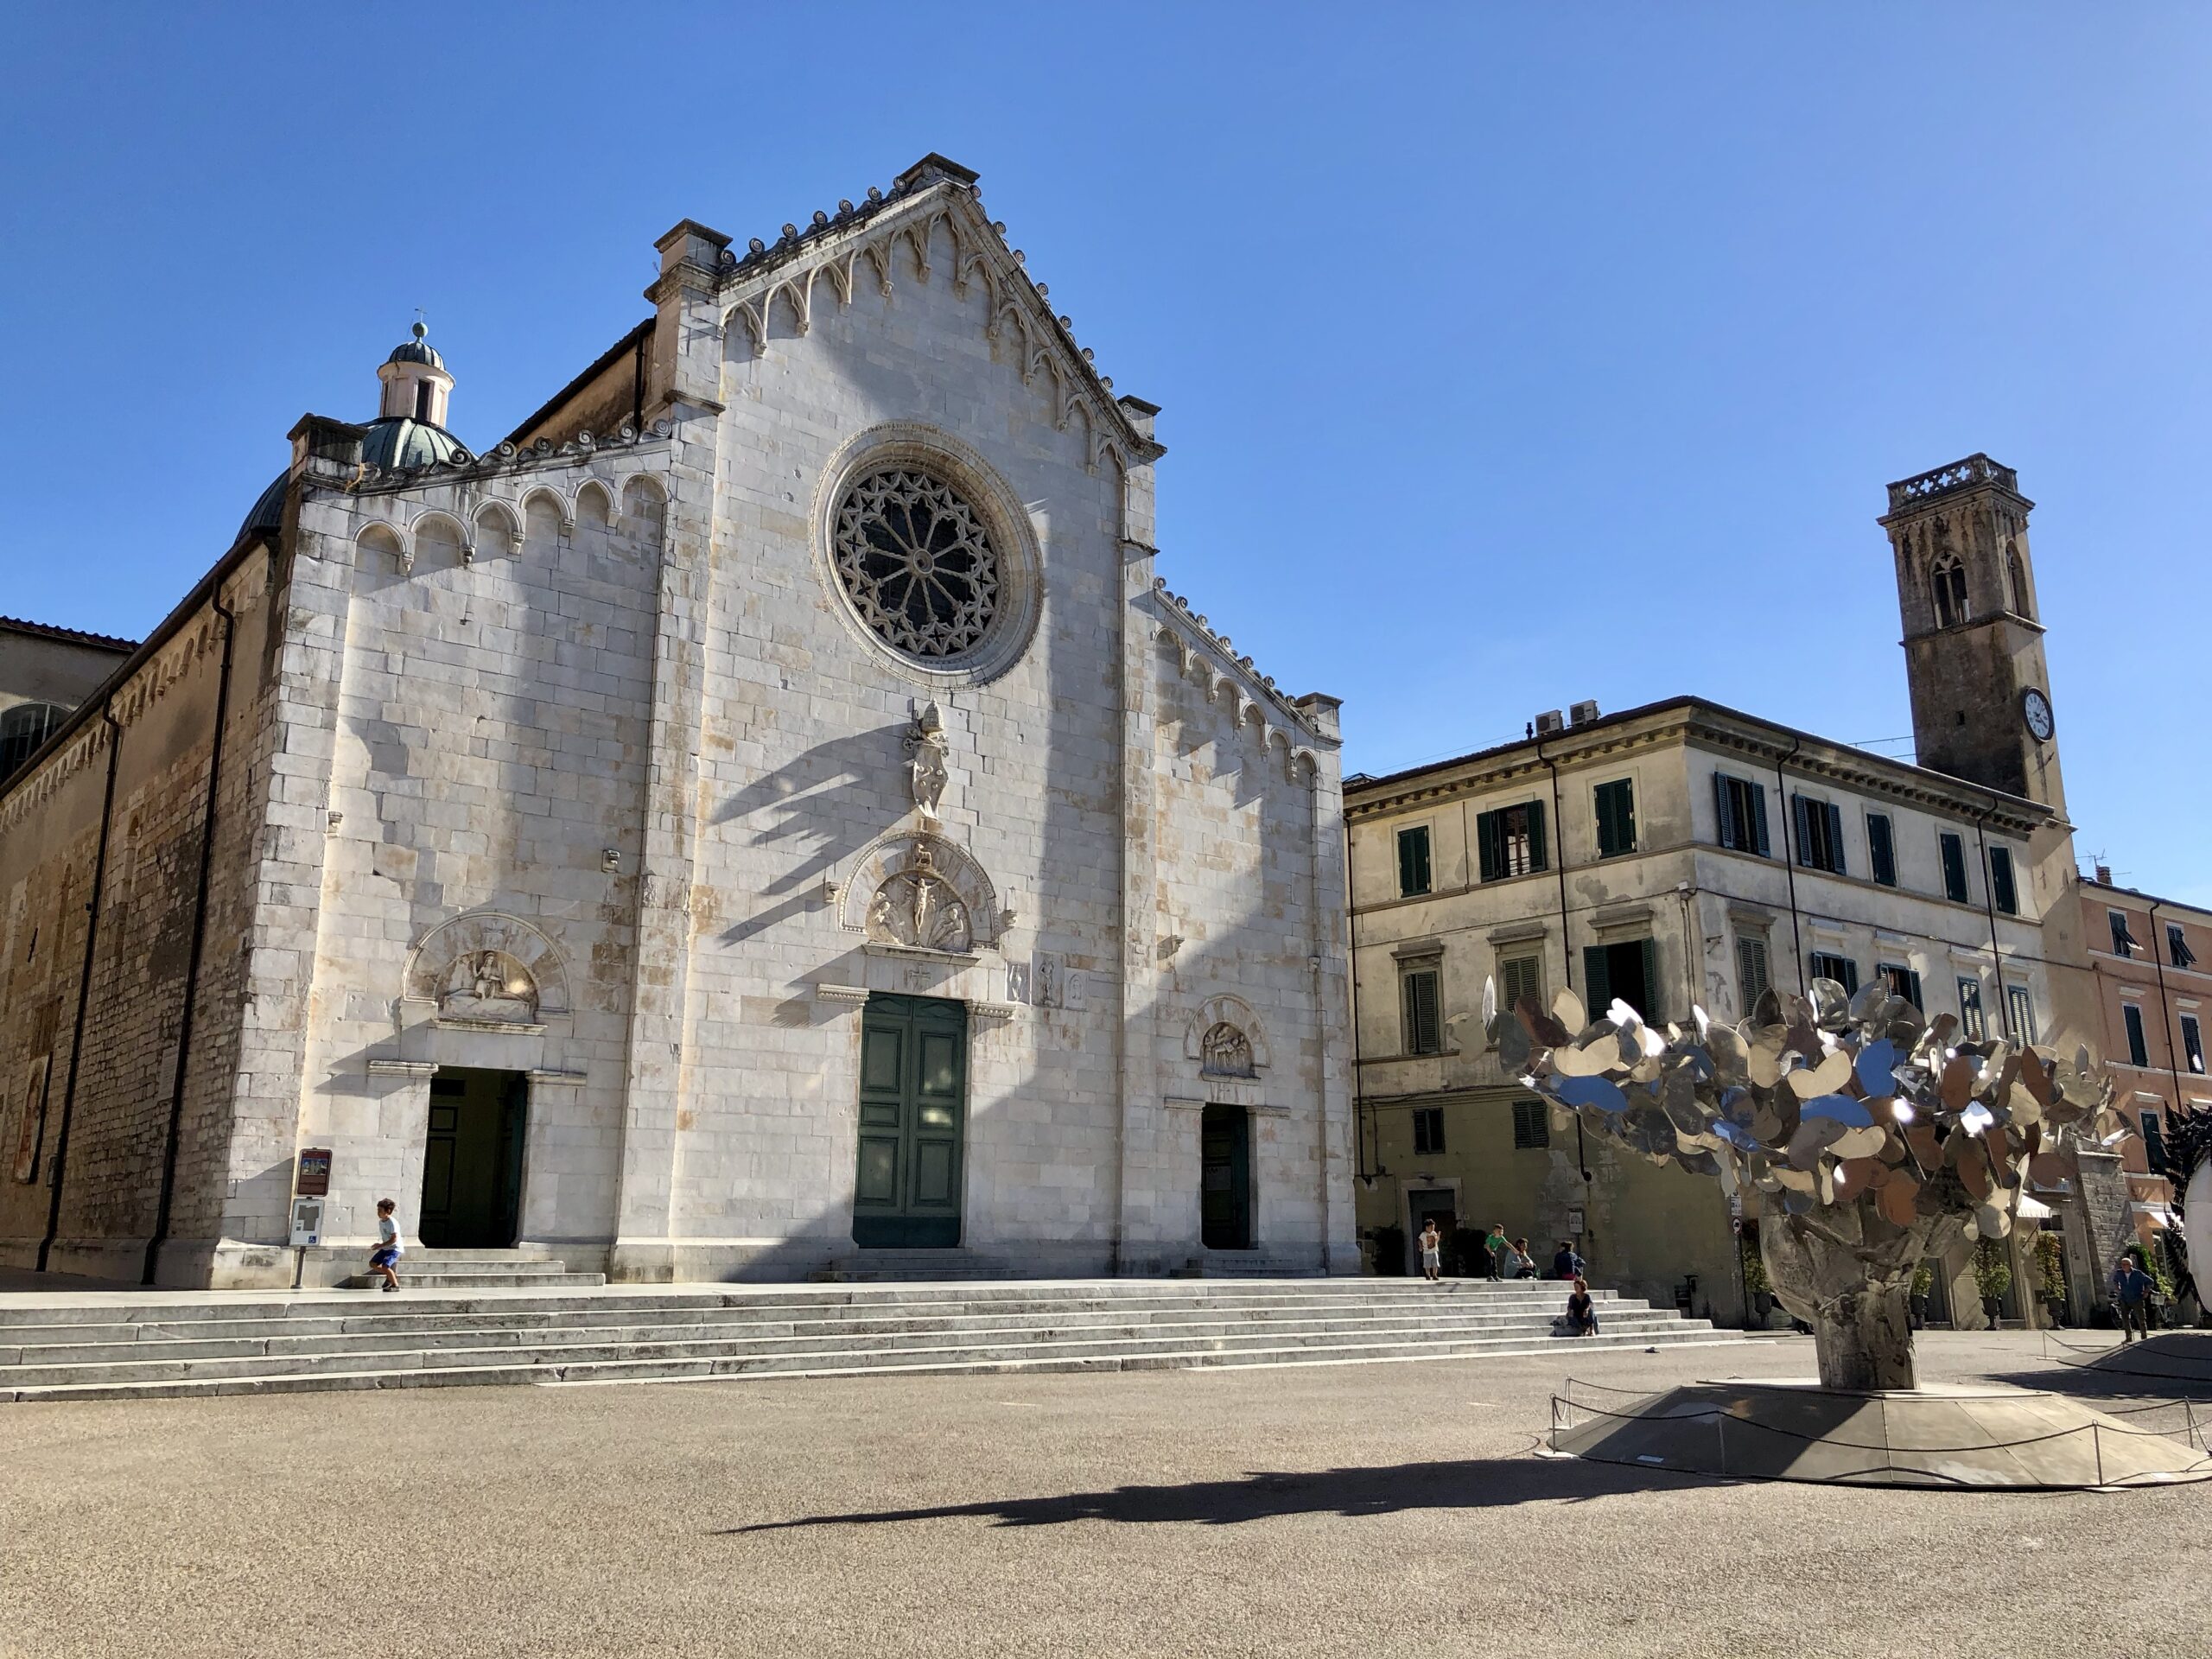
1759,843
1520,977
1424,1032
1616,818
2002,892
1751,975
1651,1015
1835,838
1486,842
1537,858
1597,983
1881,849
1913,994
1800,825
1955,868
1412,861
1726,830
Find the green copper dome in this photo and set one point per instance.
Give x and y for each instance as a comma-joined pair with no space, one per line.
417,350
398,444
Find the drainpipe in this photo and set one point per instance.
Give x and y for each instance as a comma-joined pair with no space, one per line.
162,1211
1566,945
57,1172
1989,908
1790,863
2167,1013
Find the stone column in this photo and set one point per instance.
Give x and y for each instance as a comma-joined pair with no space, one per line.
685,383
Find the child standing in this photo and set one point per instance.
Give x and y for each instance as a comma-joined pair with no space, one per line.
385,1259
1432,1252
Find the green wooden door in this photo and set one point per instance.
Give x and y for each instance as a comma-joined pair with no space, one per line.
913,1110
1225,1178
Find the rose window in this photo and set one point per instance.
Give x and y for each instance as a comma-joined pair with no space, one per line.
918,565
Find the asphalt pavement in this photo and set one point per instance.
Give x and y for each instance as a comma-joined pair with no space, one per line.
1346,1511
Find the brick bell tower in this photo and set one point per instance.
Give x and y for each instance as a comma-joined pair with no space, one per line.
1981,706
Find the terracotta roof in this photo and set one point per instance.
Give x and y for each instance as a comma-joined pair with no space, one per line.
72,636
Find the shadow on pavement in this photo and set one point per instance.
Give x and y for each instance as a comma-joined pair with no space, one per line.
1474,1484
2174,1363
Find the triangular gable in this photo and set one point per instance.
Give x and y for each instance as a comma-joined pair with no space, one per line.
772,290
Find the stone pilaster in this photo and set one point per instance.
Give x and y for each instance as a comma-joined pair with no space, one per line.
1136,1231
686,386
1332,966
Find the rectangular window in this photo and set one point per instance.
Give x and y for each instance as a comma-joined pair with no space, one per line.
1616,818
1520,977
2192,1043
1903,982
2123,942
1532,1126
2138,1052
1970,1025
1955,868
1412,861
1842,969
1754,977
2177,950
1819,834
1739,808
2154,1140
1627,971
2024,1012
1428,1129
2002,892
1881,848
1510,842
1424,1027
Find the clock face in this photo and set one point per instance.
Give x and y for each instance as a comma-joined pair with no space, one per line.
2035,709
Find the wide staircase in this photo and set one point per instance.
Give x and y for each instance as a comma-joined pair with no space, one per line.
57,1347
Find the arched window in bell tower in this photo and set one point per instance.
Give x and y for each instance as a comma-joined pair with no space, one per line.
1949,581
2016,574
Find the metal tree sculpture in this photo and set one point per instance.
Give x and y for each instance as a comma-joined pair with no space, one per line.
1871,1135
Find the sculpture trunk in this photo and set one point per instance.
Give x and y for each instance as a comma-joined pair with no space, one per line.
1866,1343
1847,1275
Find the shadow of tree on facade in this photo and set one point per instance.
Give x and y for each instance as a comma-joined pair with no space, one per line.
1473,1484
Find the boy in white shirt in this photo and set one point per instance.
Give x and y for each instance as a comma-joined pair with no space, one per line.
385,1259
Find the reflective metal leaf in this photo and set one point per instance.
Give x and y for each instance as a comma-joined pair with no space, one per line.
1823,1079
1567,1008
1831,1005
1896,1199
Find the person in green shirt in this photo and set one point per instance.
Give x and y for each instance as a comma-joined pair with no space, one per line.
1494,1248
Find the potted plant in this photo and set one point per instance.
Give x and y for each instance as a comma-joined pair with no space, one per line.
1992,1275
1758,1294
1390,1252
2050,1274
1924,1281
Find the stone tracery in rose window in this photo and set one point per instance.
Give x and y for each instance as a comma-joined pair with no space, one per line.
917,563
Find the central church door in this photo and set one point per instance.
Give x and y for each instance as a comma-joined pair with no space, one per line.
472,1163
912,1113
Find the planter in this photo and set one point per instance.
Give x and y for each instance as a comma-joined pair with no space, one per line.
1990,1306
1919,1305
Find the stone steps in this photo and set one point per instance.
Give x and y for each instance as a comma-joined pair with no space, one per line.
435,1270
135,1346
97,1346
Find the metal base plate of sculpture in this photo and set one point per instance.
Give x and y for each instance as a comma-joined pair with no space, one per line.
1978,1436
1868,1138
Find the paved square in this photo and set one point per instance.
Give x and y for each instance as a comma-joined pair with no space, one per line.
1337,1511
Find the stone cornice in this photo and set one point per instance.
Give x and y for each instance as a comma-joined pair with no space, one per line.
1691,720
1209,657
773,285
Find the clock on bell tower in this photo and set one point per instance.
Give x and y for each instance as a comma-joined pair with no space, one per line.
1981,707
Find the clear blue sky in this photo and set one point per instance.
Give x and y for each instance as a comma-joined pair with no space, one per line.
1510,355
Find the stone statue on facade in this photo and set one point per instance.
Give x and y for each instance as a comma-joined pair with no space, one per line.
1225,1051
488,985
917,908
927,747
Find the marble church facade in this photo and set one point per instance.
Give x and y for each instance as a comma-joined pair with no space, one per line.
767,809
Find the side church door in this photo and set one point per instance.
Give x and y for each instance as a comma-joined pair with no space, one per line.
913,1110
